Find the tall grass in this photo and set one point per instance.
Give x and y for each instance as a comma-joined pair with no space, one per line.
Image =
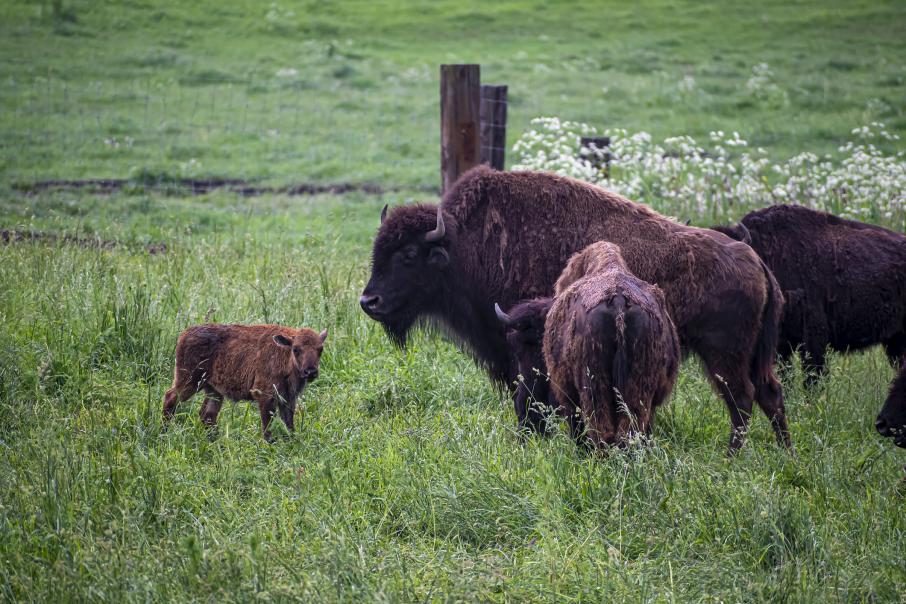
406,479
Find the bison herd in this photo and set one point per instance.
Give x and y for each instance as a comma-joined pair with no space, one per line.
511,265
583,303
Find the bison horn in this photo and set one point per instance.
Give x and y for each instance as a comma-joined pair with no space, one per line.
746,235
439,231
384,214
502,316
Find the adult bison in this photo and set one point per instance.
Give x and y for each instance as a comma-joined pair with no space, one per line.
844,283
506,236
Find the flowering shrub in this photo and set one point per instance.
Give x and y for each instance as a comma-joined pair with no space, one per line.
724,178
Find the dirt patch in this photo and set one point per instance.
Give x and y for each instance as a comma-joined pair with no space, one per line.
14,236
203,186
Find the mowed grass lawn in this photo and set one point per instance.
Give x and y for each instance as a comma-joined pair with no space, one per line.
405,480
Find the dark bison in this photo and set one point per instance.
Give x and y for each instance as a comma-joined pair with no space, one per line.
506,236
844,283
524,326
269,364
609,345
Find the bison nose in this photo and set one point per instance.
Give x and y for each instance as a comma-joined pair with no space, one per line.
882,427
310,374
370,303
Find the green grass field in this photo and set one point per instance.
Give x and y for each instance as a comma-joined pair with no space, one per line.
405,480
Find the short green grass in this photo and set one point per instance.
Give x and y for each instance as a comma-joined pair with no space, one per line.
406,480
109,90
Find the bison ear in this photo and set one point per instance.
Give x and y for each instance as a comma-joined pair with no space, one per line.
438,257
323,336
281,340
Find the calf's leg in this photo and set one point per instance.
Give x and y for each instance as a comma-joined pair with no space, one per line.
181,391
567,406
287,413
268,408
210,407
598,415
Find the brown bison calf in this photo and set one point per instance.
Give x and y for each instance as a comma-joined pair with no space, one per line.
609,345
269,364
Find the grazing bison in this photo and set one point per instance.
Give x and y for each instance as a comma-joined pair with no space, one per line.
609,345
844,282
524,335
506,236
269,364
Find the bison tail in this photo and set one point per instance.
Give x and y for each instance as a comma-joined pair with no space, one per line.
621,361
769,334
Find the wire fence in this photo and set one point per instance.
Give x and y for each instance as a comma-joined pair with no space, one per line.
271,131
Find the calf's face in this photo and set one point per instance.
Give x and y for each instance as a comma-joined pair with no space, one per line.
304,351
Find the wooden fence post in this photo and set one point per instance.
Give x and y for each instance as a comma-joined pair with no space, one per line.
493,125
597,155
460,121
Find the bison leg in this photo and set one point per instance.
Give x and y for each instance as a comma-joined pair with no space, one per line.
287,413
734,386
598,416
895,348
268,408
530,404
891,419
769,396
175,395
210,407
568,409
814,364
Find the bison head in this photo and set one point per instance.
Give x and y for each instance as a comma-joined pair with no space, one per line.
525,334
410,268
738,232
305,351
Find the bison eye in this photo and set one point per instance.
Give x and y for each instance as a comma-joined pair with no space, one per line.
296,350
409,253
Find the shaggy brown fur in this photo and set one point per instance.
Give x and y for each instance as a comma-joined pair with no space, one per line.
507,237
610,347
608,344
269,364
844,283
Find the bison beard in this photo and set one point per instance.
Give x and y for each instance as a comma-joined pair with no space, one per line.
507,237
844,283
